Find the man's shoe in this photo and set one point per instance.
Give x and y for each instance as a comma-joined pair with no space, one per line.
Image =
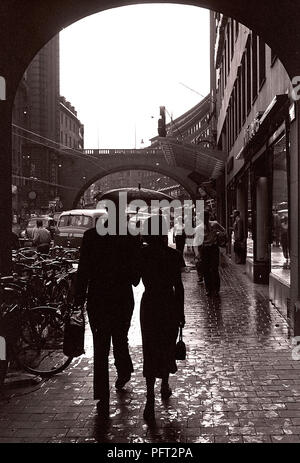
103,410
149,414
121,381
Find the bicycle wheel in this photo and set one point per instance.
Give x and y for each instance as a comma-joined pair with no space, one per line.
39,349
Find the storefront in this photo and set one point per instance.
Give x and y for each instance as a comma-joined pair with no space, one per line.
260,191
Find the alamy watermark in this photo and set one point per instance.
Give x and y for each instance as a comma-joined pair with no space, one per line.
295,93
2,348
135,217
2,88
296,349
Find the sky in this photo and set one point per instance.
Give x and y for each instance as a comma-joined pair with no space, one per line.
119,66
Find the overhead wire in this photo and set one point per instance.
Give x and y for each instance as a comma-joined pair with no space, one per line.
71,152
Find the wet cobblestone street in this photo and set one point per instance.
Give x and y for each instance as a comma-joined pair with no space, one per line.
238,384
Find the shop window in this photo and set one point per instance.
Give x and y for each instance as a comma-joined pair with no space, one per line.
280,249
249,233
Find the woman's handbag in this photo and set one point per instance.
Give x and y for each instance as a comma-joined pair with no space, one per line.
180,352
222,239
74,334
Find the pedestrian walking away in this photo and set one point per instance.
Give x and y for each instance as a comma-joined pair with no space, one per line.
162,312
41,238
210,255
107,269
179,236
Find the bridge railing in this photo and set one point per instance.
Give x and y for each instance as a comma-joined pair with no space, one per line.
115,152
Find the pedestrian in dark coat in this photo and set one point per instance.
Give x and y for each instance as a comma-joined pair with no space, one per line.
179,236
210,255
239,247
106,272
162,312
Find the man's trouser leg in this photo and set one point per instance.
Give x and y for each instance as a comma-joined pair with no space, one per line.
102,338
206,266
215,276
122,357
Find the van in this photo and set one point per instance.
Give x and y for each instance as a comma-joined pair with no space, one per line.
72,225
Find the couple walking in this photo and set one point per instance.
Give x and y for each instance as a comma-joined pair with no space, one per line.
108,267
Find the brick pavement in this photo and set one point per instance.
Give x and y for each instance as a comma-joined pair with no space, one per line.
238,384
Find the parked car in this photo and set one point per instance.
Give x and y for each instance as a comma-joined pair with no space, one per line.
72,225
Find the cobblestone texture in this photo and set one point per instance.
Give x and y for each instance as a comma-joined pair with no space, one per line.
238,384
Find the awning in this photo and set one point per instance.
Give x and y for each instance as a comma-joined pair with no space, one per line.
209,163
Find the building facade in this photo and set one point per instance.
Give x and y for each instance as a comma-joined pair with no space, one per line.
253,113
19,155
71,129
44,124
38,130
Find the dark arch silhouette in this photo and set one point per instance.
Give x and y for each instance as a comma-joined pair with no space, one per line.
31,28
160,170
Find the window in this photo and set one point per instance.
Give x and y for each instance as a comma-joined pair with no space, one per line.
280,250
232,37
250,245
254,67
239,101
248,75
235,99
87,222
76,220
237,29
64,221
262,62
273,57
228,50
243,90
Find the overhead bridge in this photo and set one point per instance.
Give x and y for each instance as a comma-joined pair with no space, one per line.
187,164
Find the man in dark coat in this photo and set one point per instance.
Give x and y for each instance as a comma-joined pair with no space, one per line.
107,269
239,247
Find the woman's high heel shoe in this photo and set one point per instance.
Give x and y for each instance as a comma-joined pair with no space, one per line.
165,392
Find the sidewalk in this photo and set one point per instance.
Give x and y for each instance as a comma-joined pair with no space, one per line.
238,384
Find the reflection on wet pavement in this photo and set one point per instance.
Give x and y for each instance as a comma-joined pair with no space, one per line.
238,384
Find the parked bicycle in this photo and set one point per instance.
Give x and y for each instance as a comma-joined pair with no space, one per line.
35,304
33,335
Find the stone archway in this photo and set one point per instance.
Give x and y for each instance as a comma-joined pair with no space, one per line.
184,182
24,31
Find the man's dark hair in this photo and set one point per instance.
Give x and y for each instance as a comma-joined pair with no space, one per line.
39,223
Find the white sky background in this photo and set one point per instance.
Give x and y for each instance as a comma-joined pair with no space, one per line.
119,66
